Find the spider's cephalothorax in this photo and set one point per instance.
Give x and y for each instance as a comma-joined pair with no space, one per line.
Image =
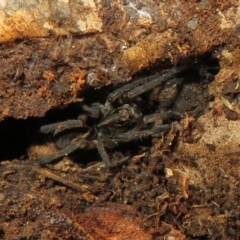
120,119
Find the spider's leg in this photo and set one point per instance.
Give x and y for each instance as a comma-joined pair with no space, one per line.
102,151
120,91
94,111
62,126
64,152
80,144
119,163
66,139
165,116
49,128
131,135
104,155
154,83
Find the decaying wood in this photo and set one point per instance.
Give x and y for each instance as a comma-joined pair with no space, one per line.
33,18
52,49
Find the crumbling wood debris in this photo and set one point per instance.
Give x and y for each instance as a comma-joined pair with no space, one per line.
51,50
61,211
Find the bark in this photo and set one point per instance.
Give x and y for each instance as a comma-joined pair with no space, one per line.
52,49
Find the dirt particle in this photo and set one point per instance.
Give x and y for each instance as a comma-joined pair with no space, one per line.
231,231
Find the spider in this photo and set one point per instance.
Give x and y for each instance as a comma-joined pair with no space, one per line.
120,119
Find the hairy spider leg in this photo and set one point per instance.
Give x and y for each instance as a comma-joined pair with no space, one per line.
154,83
80,144
131,135
72,137
104,156
59,154
94,111
62,126
119,163
102,151
120,91
163,116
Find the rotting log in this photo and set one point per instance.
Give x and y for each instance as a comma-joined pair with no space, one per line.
50,50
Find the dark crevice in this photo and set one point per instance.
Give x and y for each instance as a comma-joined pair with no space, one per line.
192,98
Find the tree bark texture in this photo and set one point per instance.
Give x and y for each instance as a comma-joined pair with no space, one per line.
50,50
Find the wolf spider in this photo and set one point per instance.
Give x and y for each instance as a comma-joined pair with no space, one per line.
118,120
